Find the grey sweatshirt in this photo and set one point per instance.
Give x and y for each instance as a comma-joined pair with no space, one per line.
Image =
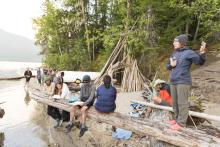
87,93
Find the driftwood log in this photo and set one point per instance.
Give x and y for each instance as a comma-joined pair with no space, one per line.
161,131
2,112
191,113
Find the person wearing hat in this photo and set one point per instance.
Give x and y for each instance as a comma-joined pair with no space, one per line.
179,65
163,89
49,89
48,86
87,95
163,98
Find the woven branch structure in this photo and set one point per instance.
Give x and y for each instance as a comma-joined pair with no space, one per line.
123,64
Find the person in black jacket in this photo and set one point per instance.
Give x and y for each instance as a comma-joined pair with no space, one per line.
27,75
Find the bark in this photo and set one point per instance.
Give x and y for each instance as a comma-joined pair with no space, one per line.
86,27
197,29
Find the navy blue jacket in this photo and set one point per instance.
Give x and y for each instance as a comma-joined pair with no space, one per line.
185,57
105,99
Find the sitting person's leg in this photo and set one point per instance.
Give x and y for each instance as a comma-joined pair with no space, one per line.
83,114
65,115
83,127
53,112
72,118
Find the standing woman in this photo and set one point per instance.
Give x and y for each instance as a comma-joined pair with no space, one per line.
179,64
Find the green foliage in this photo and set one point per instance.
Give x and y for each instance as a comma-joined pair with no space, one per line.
81,34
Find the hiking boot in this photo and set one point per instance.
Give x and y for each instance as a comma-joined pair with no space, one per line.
69,127
82,131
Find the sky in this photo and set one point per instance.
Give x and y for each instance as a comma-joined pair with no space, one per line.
16,16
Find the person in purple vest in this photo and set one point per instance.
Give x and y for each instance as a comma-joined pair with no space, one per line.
106,96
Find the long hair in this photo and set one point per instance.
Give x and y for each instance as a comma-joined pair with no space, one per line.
56,89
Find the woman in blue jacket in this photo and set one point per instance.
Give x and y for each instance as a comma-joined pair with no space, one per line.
180,79
106,96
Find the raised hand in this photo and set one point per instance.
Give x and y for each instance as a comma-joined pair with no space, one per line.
202,48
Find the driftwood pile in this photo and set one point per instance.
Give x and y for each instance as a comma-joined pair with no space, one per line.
120,62
157,129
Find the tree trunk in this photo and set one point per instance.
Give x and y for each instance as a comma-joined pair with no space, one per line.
86,28
189,3
187,27
197,29
93,48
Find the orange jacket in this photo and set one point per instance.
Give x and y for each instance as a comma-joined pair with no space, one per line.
166,97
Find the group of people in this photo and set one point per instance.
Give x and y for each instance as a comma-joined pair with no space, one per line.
175,94
105,96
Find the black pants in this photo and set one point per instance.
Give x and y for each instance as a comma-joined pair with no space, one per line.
39,81
56,114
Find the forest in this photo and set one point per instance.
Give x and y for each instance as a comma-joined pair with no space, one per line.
81,34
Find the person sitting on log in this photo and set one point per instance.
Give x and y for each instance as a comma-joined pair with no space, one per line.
106,96
163,89
164,98
61,92
87,95
48,86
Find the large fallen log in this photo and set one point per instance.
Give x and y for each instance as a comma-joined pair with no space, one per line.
161,131
191,113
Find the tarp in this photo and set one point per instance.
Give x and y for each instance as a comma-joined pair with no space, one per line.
71,76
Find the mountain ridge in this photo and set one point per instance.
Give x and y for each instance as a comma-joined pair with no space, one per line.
18,48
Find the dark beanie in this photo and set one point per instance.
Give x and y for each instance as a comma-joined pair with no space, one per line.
86,78
107,81
182,39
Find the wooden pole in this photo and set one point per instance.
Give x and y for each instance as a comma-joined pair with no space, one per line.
192,113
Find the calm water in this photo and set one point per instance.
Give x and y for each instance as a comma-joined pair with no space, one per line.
15,69
19,124
22,123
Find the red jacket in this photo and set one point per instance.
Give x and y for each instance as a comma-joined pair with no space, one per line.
166,96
